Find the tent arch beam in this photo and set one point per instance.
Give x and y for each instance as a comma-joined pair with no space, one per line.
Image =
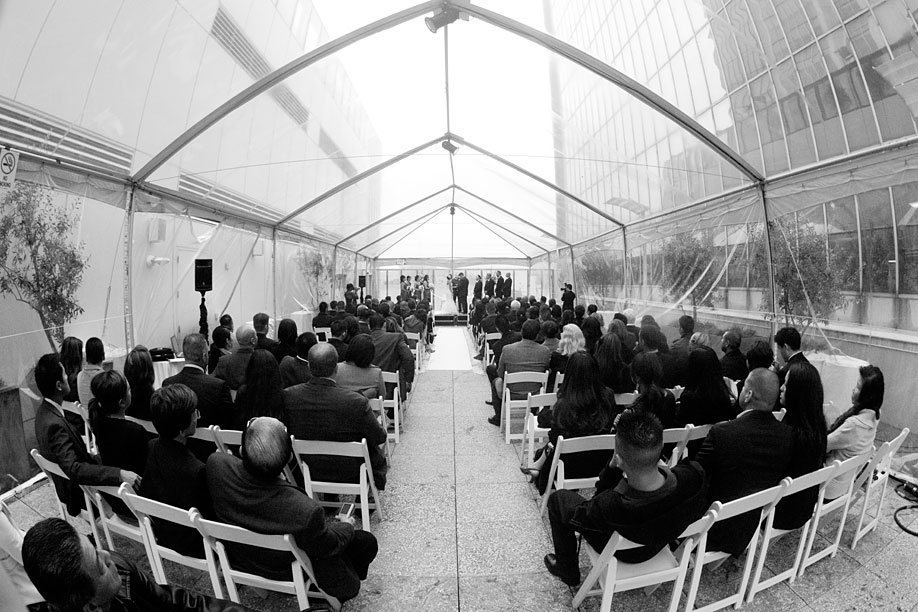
393,214
508,230
510,214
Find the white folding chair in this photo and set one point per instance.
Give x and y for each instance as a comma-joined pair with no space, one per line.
615,576
225,438
872,482
818,479
763,501
10,599
848,471
147,425
625,399
322,333
679,437
417,350
509,405
694,433
779,414
110,521
89,440
365,485
559,378
50,468
488,354
556,475
303,583
532,431
378,407
149,512
396,405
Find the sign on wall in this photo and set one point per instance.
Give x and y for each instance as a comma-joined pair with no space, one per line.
9,161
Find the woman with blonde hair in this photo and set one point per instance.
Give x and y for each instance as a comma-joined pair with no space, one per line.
572,341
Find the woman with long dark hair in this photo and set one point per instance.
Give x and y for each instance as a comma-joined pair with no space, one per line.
592,332
138,369
706,398
647,372
614,373
853,432
286,335
72,360
358,373
584,408
121,443
262,393
802,396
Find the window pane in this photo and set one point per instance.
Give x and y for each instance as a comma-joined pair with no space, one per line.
877,240
905,198
842,225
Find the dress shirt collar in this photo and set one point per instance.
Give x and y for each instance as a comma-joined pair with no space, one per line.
195,366
56,406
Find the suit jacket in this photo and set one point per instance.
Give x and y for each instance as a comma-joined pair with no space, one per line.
276,507
214,401
323,319
294,371
508,289
60,443
266,343
489,287
796,357
340,346
523,356
231,368
733,365
476,290
464,286
748,454
321,410
680,345
365,381
497,346
393,354
499,286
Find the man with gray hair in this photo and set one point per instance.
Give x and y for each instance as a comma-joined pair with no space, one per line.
249,492
214,401
231,368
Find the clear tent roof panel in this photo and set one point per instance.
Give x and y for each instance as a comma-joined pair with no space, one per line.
533,235
390,223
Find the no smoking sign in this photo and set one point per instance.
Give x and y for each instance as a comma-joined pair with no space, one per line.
9,161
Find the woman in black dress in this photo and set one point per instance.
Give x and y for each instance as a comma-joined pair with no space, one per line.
262,393
138,369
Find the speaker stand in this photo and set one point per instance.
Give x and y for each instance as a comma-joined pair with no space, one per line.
203,320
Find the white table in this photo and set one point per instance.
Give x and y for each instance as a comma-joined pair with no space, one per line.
164,369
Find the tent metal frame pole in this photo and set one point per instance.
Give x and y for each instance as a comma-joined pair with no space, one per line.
128,271
771,265
334,275
273,268
509,231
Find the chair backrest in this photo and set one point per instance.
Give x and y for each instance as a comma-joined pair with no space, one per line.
412,336
779,414
390,377
225,438
625,399
322,333
540,400
147,425
492,336
47,466
109,520
765,499
676,435
526,377
81,411
559,378
699,432
586,443
820,477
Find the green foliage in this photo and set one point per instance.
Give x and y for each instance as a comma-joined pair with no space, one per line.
597,272
690,269
801,261
39,264
312,266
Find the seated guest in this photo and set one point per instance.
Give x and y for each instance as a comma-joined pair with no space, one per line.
392,354
733,363
748,454
416,323
585,407
802,395
222,345
262,393
527,355
686,330
121,443
59,442
73,575
339,337
323,319
72,359
647,372
322,410
572,341
295,370
760,355
550,332
652,341
637,497
138,369
593,311
567,318
11,565
628,340
592,332
250,492
788,340
699,339
358,373
286,337
173,474
214,401
579,314
262,324
95,355
231,368
226,321
854,431
706,398
614,373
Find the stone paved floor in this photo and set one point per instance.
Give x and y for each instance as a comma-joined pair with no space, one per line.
463,531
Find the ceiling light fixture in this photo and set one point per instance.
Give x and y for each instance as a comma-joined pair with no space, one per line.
446,144
444,16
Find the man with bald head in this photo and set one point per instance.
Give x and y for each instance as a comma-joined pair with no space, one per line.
748,454
321,410
231,368
214,401
250,492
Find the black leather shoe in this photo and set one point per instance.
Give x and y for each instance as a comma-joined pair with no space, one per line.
489,402
495,421
569,577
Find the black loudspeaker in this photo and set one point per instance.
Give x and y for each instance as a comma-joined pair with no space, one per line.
362,281
203,275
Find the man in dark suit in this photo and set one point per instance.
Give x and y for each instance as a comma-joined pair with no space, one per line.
323,319
476,290
748,454
463,293
321,410
231,368
339,338
250,492
733,363
214,401
489,286
681,344
262,322
59,442
527,355
788,341
295,370
567,297
392,353
508,287
499,285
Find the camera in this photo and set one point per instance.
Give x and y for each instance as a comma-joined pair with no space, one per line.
346,512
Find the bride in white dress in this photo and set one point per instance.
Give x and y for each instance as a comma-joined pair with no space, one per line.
447,305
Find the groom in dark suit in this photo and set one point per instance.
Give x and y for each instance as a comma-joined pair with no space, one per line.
463,293
321,410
